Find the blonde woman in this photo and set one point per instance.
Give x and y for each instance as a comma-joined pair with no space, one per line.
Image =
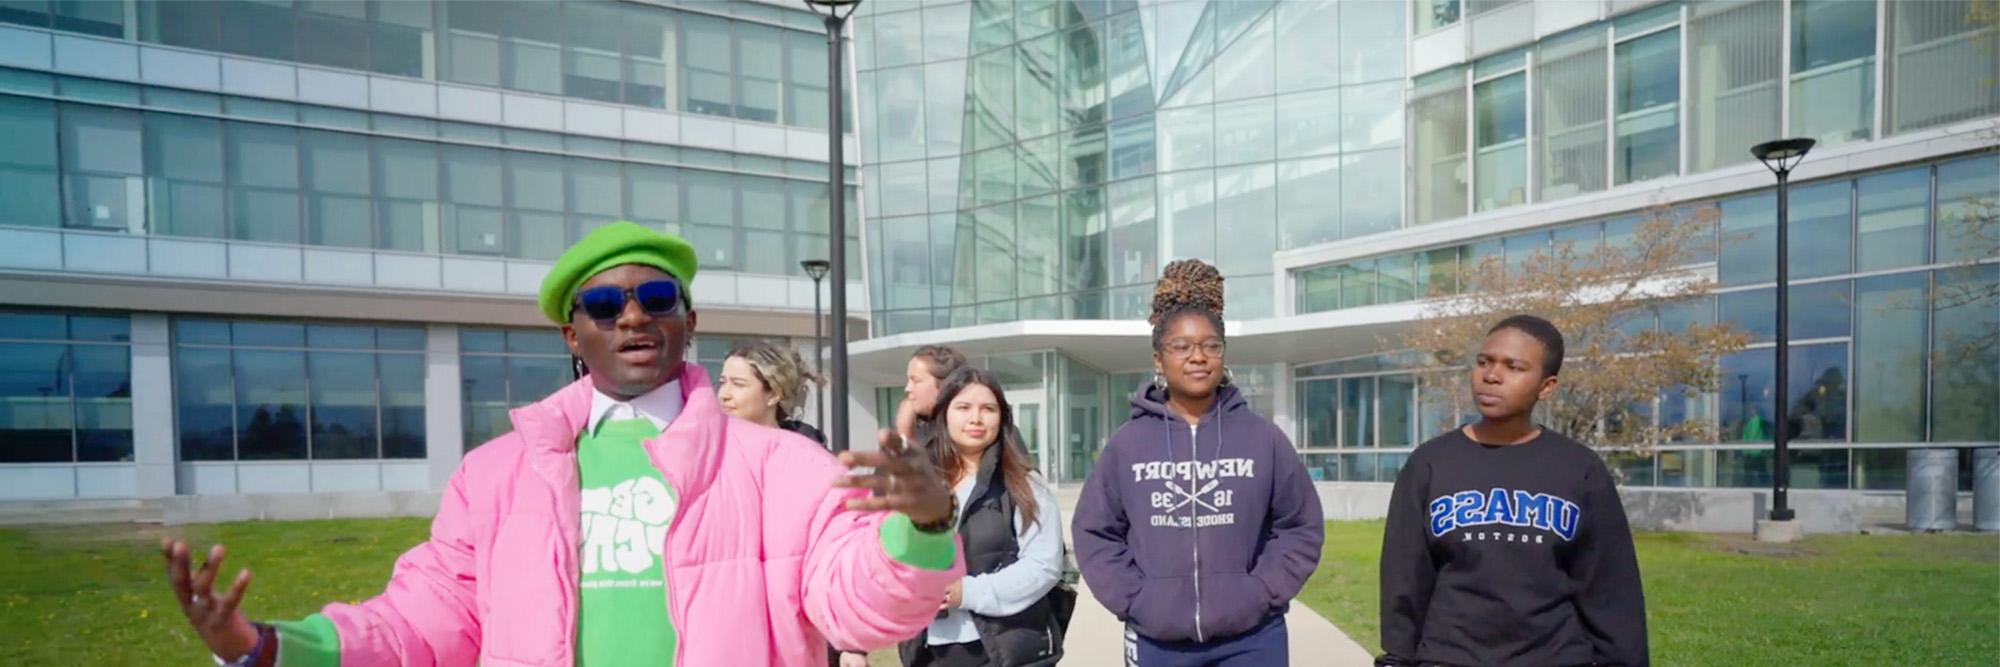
764,383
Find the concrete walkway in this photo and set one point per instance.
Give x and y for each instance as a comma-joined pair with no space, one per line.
1097,640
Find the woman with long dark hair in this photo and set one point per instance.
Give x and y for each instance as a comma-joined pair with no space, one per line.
1001,613
1199,523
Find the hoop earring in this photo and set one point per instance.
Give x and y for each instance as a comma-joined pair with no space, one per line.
1159,381
1228,376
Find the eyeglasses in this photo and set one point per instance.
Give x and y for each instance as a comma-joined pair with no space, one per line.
659,298
1182,349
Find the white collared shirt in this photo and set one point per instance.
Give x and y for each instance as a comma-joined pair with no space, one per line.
660,406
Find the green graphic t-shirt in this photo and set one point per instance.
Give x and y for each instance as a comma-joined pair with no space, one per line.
623,617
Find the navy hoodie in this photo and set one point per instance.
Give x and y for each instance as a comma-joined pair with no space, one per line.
1197,534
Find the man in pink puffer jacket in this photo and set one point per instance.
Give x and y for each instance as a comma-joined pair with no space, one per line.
628,521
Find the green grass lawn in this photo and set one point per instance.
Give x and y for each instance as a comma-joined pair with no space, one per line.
97,594
1728,600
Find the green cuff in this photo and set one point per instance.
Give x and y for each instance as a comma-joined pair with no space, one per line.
915,548
312,642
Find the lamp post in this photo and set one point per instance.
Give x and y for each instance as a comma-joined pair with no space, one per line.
835,14
1780,157
816,268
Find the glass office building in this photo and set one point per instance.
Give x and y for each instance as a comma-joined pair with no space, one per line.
1030,166
278,247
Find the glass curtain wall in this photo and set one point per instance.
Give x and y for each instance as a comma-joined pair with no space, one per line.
1891,338
390,186
747,60
66,387
1043,160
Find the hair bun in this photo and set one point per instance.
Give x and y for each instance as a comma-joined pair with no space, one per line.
1187,283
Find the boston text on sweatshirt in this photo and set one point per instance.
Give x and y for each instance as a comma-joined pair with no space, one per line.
1197,532
1509,555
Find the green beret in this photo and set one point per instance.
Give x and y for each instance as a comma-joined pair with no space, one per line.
608,246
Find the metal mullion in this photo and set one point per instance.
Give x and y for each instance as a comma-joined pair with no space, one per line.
1681,135
69,354
1879,105
1785,68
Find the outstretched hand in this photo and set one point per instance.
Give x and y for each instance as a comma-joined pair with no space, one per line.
902,479
216,619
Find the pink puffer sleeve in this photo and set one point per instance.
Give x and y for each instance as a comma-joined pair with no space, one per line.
428,616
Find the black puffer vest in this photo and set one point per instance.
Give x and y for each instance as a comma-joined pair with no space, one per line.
1031,638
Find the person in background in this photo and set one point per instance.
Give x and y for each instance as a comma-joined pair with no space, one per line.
765,384
927,369
1199,523
552,543
1506,542
1009,525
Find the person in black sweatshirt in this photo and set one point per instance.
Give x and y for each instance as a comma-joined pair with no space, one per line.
1506,542
1199,524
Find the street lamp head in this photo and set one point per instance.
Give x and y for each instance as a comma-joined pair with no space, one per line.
1782,155
816,268
832,8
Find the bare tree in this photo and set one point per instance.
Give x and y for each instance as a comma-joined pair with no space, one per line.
1605,299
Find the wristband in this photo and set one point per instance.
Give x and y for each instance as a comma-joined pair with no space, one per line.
266,641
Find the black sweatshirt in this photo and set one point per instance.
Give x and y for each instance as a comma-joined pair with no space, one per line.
1509,555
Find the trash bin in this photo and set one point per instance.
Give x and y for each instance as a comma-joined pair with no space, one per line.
1931,501
1986,489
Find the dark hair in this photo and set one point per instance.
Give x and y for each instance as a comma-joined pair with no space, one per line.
1014,465
1187,287
942,360
1541,330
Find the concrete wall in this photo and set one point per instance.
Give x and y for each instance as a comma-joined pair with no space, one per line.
296,506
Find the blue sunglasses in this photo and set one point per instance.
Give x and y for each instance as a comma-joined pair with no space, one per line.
659,298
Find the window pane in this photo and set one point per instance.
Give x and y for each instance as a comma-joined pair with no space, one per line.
335,38
1686,468
1817,394
1246,198
591,65
1833,70
1889,346
1371,172
1733,70
196,24
268,334
533,61
35,383
531,379
102,140
1749,240
1746,379
1372,35
184,148
1968,201
1648,95
1371,116
1500,130
1187,212
1187,138
1438,111
1357,407
258,29
1399,419
1308,202
1881,469
343,405
103,401
270,399
709,69
1569,96
1822,229
1965,378
264,172
1357,467
652,54
204,396
1303,60
1934,48
484,380
1243,131
1134,246
402,383
1895,216
1309,122
337,170
29,195
1039,248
